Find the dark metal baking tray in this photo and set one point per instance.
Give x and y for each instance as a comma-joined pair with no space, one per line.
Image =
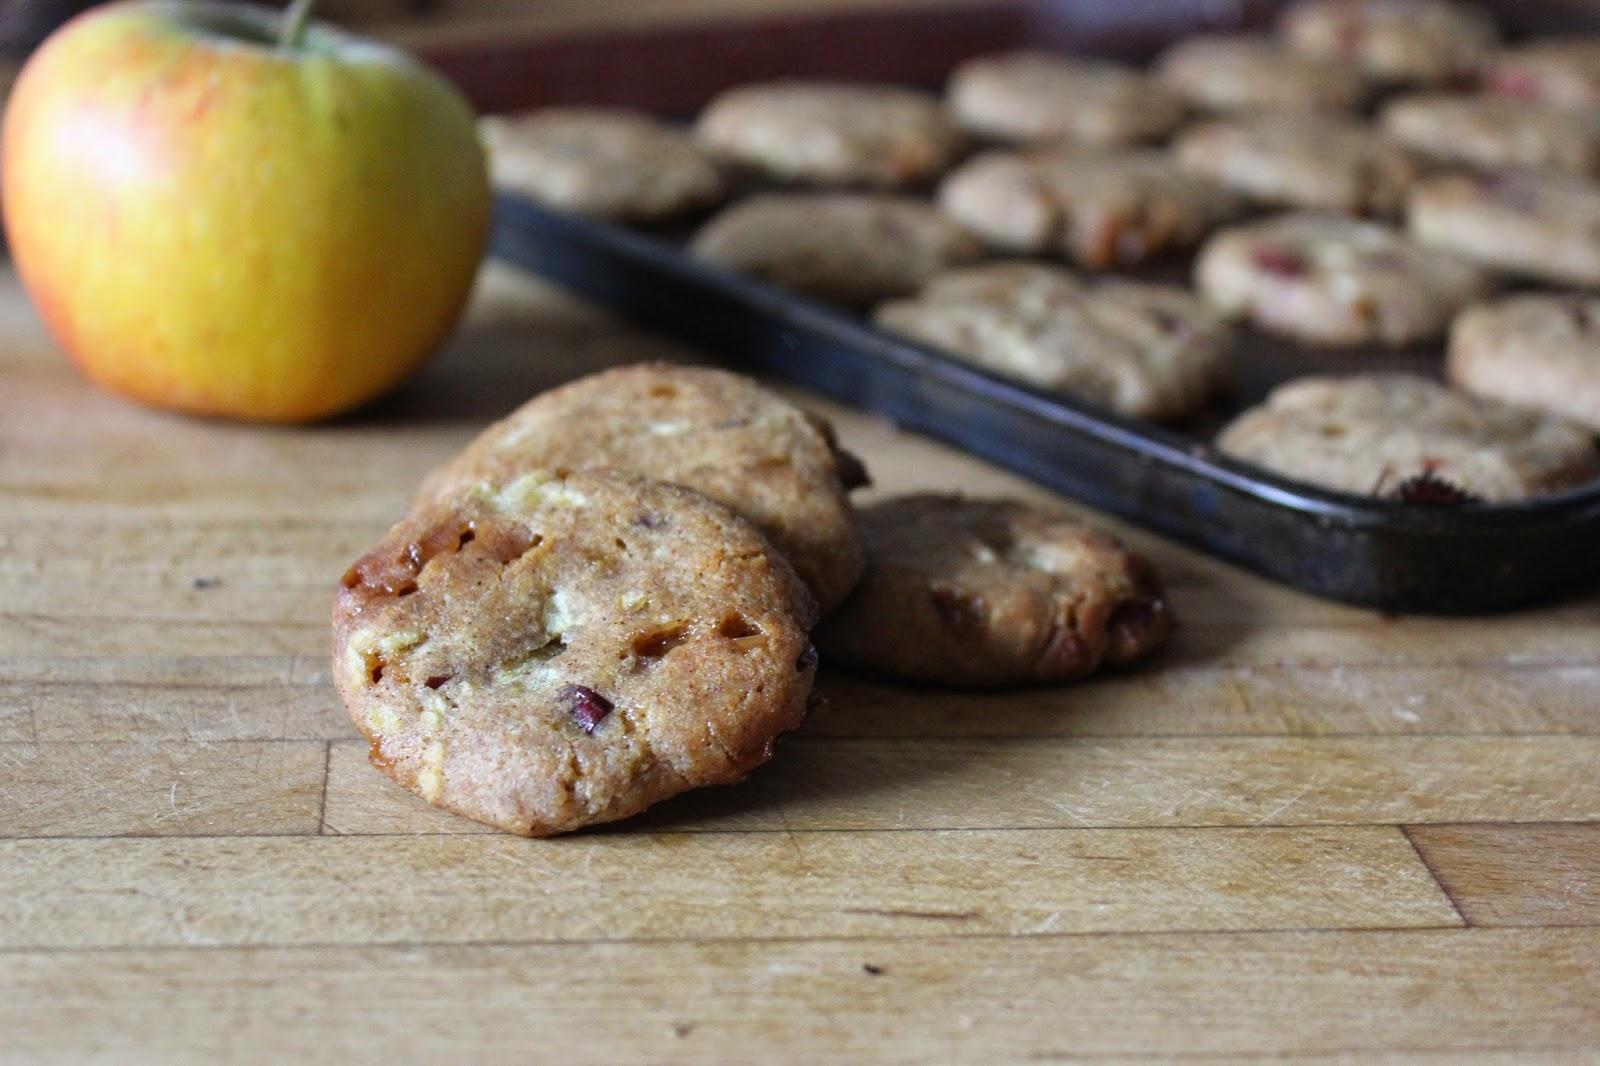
1398,557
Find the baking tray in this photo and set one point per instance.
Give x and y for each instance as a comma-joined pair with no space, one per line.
1397,557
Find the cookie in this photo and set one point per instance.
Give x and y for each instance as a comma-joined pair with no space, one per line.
561,650
1327,163
1335,281
1395,435
847,248
1146,351
820,133
1101,209
717,433
1495,132
604,162
1249,73
1540,351
985,593
1410,42
1038,96
1564,72
1540,225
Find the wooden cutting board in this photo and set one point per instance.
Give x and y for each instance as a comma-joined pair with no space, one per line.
1307,829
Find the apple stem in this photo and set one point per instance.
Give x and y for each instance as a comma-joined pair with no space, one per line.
294,23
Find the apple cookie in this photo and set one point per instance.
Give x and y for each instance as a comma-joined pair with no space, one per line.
1410,42
1494,132
720,434
1335,281
1563,72
1538,350
561,650
1396,435
1142,350
605,162
1038,96
1218,73
822,133
848,248
1320,162
1100,209
984,593
1540,225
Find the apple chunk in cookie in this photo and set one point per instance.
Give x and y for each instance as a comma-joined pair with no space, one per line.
561,650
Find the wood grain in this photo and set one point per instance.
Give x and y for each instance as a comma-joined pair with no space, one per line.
1517,874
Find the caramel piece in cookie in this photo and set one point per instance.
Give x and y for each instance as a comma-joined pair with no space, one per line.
721,434
1495,132
1538,351
847,248
1147,351
990,593
1253,74
1100,209
1539,225
605,162
822,133
561,650
1335,281
1320,162
1415,42
1038,96
1393,435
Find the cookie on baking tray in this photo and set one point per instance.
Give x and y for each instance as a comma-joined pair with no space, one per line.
1101,209
848,248
1320,279
718,433
1402,436
1537,350
561,650
1563,72
606,162
826,133
1221,73
1040,96
1142,350
1314,161
1537,224
990,593
1494,132
1414,42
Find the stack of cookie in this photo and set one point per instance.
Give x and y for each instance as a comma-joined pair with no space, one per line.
608,599
1353,185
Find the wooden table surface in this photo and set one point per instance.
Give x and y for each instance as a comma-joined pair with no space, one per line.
1306,830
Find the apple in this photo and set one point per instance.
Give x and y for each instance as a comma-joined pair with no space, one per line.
227,211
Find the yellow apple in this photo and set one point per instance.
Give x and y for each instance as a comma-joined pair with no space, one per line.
215,221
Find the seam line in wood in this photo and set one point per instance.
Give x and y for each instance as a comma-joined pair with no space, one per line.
1422,857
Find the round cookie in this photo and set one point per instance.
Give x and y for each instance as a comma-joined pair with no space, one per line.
989,593
1541,225
1142,350
1218,73
847,248
821,133
1335,281
717,433
1540,351
1415,42
1100,209
1039,96
1396,435
1495,131
604,162
1563,72
561,650
1327,163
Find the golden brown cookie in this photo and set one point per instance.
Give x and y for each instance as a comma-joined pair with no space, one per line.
988,593
561,650
720,434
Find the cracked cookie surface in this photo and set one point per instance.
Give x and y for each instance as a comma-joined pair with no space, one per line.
988,593
720,434
557,651
1535,350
